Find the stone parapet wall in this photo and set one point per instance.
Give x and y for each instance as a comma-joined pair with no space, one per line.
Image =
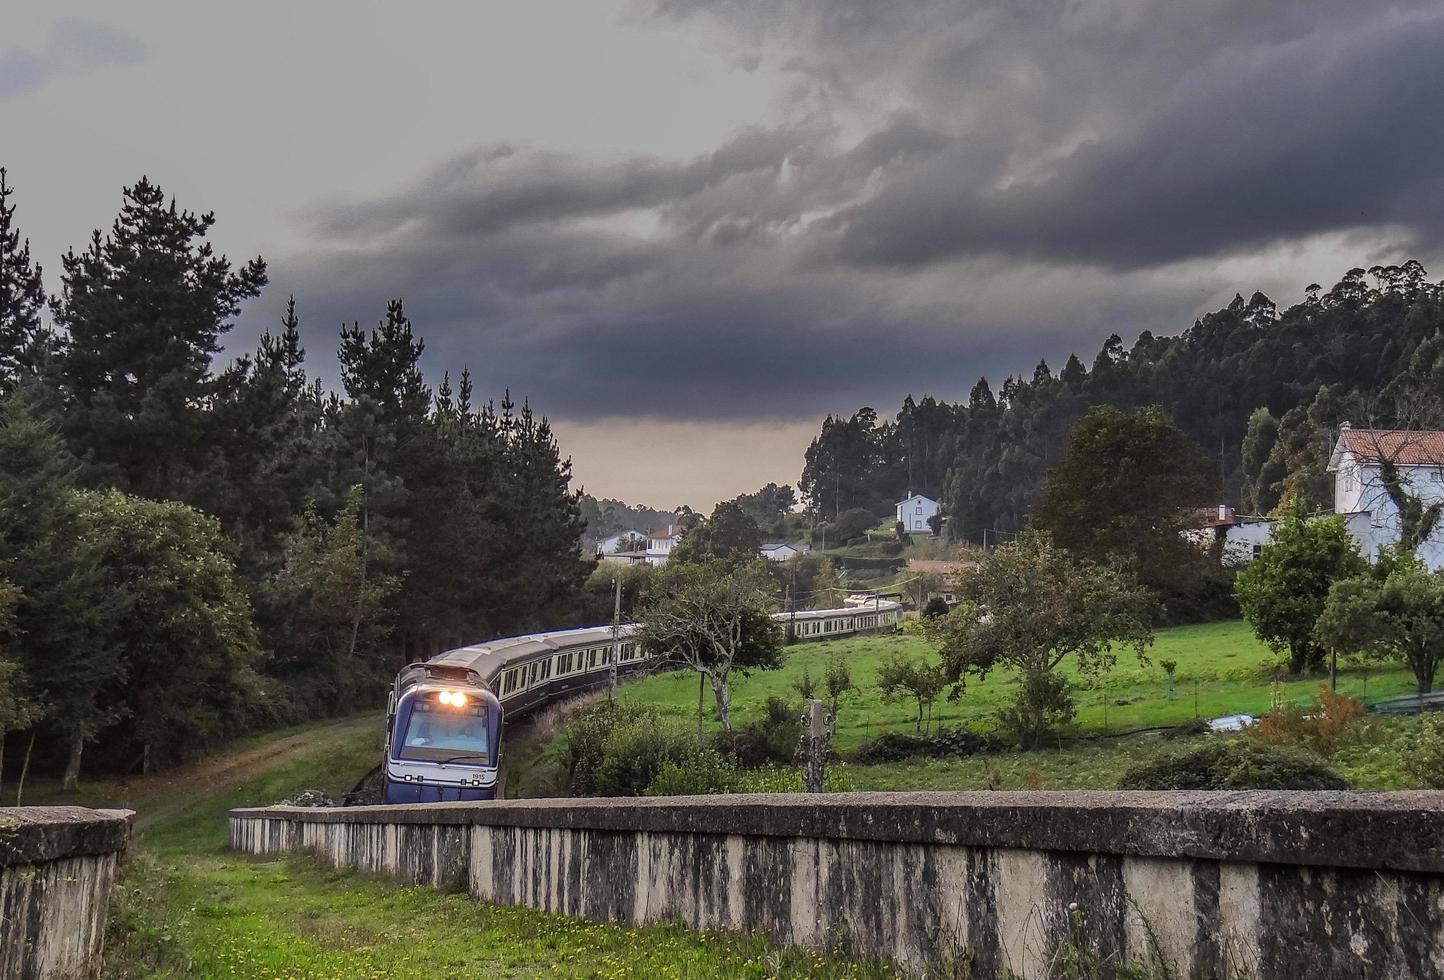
1264,885
57,866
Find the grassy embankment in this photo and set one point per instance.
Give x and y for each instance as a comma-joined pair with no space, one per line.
186,908
1221,669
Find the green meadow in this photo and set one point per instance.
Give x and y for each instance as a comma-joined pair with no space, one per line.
1221,669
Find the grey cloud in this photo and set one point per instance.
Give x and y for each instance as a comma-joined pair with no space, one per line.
956,191
73,47
1307,141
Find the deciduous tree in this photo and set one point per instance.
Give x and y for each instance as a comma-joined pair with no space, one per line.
1030,606
1125,490
1396,614
713,619
1283,590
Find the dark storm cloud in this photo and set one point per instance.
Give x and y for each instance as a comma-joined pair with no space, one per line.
954,191
73,47
1311,139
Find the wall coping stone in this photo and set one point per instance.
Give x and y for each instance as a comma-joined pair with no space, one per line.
37,834
1401,831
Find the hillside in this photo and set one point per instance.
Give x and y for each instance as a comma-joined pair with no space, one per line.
1258,388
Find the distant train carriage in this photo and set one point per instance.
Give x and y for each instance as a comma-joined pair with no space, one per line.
444,725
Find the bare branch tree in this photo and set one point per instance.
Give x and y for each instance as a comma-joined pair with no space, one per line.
712,618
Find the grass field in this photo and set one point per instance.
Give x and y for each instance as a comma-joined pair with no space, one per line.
1222,669
186,908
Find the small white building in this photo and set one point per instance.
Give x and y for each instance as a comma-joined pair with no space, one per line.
1361,498
628,540
915,512
1239,537
779,551
660,544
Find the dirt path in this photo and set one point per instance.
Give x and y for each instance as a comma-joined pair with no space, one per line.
166,794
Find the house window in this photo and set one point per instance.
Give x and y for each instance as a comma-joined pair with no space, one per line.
1257,550
1436,476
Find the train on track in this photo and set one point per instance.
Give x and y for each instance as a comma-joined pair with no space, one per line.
444,717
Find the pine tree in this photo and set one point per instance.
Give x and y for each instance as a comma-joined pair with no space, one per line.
266,422
144,308
22,297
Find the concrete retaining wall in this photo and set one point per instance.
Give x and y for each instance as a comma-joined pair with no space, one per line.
57,865
1265,885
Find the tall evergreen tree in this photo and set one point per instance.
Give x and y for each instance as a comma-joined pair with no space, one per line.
22,296
144,309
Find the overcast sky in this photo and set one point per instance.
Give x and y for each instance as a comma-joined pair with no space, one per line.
687,230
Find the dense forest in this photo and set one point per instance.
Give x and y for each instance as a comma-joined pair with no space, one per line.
191,548
1257,389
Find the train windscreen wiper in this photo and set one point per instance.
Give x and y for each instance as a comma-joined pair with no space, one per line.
480,760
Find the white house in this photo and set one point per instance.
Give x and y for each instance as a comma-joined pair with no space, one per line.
1240,536
660,544
628,540
914,513
779,551
1361,498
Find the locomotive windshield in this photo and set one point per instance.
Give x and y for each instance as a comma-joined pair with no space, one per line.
437,732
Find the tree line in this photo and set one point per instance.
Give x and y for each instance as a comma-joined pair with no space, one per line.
192,545
1256,389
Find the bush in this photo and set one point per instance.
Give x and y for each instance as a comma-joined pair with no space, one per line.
1235,764
851,524
936,608
1044,704
1331,720
772,739
703,772
1424,761
619,749
943,743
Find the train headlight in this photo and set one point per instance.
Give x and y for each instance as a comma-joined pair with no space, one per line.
444,697
458,698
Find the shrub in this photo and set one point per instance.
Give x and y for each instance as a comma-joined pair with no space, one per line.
619,749
936,608
774,738
943,743
851,524
1424,761
1233,764
1043,704
1330,720
703,772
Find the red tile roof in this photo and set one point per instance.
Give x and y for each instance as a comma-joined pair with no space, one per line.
1406,447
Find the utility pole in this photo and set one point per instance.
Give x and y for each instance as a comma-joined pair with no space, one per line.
616,642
